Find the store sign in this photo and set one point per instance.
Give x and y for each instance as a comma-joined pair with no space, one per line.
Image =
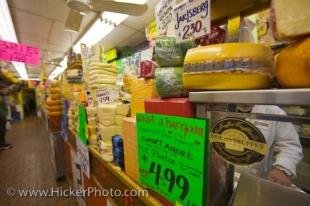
82,124
173,157
164,16
192,19
107,95
238,141
83,157
19,52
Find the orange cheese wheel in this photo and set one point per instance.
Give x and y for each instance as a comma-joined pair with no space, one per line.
293,65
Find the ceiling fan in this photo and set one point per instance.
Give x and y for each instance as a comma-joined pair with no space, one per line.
78,8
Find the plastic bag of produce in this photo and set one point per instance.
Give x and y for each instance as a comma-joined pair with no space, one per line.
169,82
170,54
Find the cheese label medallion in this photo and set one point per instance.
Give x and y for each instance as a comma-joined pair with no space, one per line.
238,141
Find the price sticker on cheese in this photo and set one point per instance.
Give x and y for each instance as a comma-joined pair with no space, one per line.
107,95
192,19
173,157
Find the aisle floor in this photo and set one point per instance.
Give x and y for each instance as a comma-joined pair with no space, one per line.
28,166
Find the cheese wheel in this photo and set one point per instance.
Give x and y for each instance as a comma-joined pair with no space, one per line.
51,102
228,66
293,65
54,114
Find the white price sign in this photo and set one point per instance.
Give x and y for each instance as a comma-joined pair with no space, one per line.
192,19
107,95
164,15
83,157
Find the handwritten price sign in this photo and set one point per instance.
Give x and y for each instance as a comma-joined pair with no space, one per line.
107,95
19,52
192,19
83,156
173,157
164,16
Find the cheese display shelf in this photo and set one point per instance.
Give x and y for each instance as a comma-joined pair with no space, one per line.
265,97
107,175
281,97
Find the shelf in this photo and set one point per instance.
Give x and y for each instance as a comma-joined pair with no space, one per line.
300,97
222,9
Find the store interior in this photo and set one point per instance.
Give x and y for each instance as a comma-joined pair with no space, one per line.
155,102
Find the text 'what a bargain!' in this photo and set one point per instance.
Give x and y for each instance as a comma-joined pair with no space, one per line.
173,157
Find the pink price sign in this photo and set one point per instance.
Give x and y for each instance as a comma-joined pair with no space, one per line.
19,52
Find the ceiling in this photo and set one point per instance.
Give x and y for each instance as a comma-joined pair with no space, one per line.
41,23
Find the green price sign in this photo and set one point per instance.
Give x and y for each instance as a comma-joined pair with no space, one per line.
173,157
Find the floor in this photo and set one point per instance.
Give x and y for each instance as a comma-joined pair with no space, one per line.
28,166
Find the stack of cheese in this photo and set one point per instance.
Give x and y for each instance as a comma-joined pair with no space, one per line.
122,111
53,103
101,75
91,125
74,73
140,91
106,116
73,118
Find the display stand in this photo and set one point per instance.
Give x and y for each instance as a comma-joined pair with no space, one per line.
287,97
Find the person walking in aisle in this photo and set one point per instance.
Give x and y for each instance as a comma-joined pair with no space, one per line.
3,114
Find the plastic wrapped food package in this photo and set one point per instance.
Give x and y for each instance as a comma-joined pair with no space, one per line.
147,69
170,54
169,82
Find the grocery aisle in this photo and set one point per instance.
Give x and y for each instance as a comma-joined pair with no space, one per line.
28,165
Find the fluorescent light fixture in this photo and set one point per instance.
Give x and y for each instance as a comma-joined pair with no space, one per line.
34,79
59,69
102,27
7,33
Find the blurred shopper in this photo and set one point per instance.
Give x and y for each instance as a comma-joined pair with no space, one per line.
3,114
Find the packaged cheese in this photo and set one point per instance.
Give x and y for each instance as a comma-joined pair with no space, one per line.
119,120
119,130
169,82
290,18
130,148
141,90
122,109
106,132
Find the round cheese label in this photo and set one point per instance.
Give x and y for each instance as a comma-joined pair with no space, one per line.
238,141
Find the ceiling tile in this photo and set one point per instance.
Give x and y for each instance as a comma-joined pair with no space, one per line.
133,40
61,37
139,22
53,9
119,34
33,26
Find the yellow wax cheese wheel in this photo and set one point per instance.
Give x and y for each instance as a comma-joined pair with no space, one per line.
236,66
293,65
228,51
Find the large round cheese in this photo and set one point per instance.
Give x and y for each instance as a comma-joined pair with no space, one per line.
293,65
228,66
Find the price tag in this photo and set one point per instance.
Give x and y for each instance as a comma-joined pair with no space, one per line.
173,157
164,16
19,52
192,19
83,157
107,95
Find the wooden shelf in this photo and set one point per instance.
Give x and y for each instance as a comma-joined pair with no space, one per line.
105,171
